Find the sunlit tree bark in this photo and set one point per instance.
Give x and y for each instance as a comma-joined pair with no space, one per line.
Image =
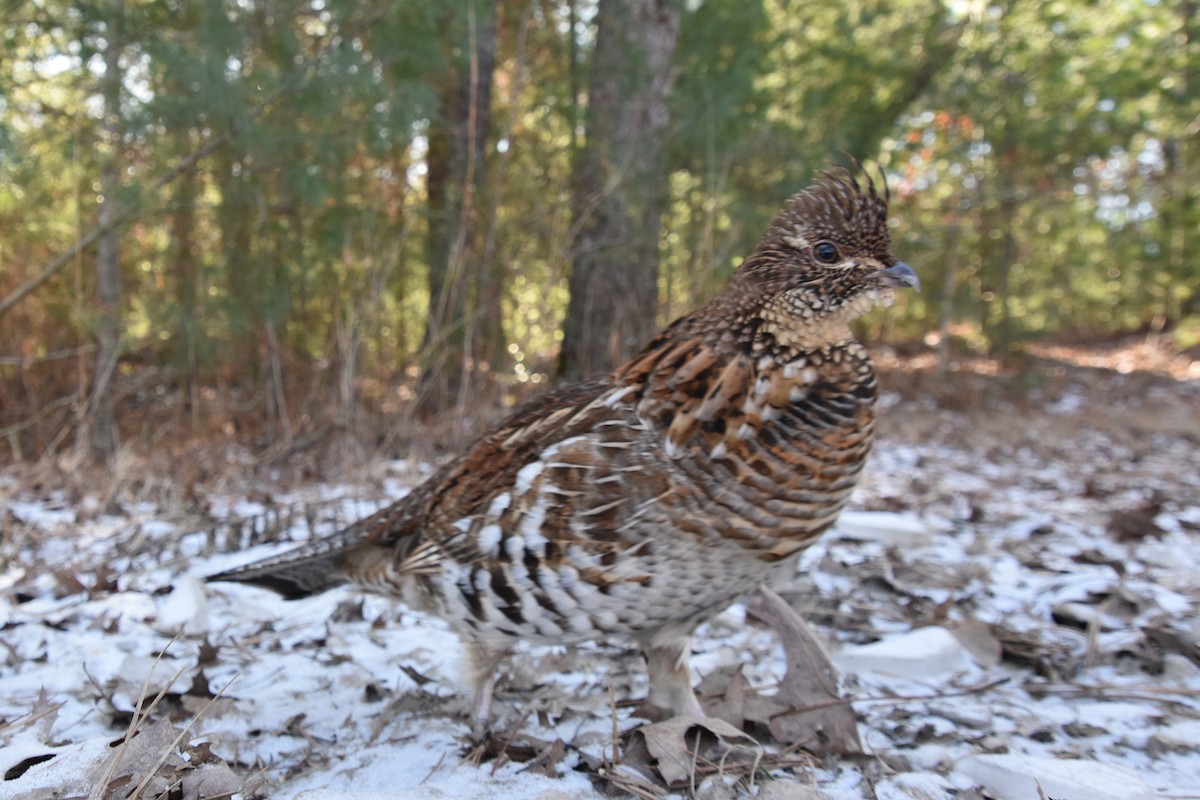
101,423
621,186
458,144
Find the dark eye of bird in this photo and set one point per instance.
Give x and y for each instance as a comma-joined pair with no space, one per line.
825,252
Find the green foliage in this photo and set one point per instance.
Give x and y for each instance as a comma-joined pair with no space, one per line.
1042,159
1044,145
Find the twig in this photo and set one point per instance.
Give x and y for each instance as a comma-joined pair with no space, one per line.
1109,692
104,695
123,217
616,730
433,769
42,411
31,717
140,712
784,759
55,355
127,215
695,758
900,698
512,735
137,792
634,784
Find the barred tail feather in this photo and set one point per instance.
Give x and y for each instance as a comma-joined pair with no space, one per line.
319,565
305,571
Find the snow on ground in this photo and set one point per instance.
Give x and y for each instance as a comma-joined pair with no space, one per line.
1013,615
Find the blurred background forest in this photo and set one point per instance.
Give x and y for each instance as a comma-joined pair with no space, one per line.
283,221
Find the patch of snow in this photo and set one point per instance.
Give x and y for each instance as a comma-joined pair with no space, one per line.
897,530
924,653
1067,404
1183,735
70,772
341,696
914,786
185,609
1019,777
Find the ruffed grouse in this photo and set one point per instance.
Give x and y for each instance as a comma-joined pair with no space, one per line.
640,504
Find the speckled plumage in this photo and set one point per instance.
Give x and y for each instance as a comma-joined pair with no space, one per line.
639,504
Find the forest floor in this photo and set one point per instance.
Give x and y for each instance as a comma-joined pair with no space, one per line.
1013,605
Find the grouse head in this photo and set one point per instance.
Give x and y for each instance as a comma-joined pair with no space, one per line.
824,261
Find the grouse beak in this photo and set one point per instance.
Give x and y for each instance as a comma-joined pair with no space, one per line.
899,276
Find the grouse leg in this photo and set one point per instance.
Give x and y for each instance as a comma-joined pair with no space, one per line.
483,663
671,677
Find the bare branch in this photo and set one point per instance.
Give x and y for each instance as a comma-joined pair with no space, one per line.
123,216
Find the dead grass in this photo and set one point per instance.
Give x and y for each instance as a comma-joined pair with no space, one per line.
1130,389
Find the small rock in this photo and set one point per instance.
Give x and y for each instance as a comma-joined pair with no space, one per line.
149,675
1181,736
1017,777
914,786
901,530
425,793
1179,669
791,790
917,655
210,780
1083,730
185,609
716,788
963,715
33,770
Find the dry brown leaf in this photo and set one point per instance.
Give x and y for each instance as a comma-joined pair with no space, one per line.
546,762
673,748
211,708
980,642
729,703
1175,636
1135,524
209,781
807,708
417,677
140,755
68,582
208,652
791,790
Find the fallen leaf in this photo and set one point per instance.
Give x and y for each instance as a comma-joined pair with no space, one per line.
675,746
418,678
208,652
730,701
546,762
807,708
980,642
151,755
1135,523
208,781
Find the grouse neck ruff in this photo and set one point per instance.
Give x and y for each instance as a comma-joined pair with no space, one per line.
640,504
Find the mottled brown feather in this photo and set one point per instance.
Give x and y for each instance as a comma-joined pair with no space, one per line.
641,503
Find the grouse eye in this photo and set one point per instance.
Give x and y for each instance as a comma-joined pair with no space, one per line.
825,252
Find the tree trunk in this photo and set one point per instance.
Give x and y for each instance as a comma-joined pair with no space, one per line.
940,46
187,289
621,188
1008,207
1178,208
457,149
235,215
102,419
946,312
